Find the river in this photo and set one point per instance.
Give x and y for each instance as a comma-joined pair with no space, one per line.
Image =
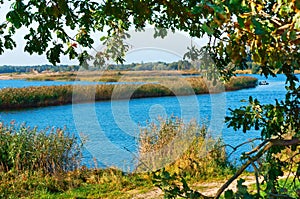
112,127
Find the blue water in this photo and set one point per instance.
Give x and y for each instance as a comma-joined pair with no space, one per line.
112,127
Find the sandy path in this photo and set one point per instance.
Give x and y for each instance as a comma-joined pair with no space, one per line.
205,188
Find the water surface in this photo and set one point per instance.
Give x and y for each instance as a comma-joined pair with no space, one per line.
112,127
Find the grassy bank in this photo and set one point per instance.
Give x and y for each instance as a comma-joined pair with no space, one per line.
23,180
27,155
18,98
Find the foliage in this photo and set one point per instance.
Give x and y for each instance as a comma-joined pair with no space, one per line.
279,133
39,68
27,149
237,24
174,185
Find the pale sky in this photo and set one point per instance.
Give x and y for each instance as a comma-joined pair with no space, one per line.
144,48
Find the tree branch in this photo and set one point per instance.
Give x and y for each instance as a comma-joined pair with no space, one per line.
272,142
256,177
234,148
242,169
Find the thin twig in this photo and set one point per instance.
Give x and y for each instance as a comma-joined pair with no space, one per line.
256,177
257,148
234,148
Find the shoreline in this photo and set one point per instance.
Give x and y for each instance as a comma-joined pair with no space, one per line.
5,77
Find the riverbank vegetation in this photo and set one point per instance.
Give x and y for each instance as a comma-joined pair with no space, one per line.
17,98
36,164
24,148
181,65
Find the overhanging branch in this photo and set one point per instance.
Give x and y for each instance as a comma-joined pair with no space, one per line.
261,151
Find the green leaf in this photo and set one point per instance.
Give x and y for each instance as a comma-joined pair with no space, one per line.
196,10
235,2
229,194
9,43
293,35
216,8
259,30
14,18
241,22
103,38
207,29
298,5
1,47
284,35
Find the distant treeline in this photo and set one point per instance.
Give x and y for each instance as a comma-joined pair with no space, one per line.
179,65
38,68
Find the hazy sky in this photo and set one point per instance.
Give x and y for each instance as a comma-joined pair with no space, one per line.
144,48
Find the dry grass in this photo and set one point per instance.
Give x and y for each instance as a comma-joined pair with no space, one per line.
185,149
94,75
16,98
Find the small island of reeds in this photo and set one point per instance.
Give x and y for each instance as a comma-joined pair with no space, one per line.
41,96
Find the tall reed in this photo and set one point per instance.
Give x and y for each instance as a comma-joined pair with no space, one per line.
26,149
182,148
17,98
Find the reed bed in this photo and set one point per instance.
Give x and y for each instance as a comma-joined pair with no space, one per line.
26,149
240,82
18,98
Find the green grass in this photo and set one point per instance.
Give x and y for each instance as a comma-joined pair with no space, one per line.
85,183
